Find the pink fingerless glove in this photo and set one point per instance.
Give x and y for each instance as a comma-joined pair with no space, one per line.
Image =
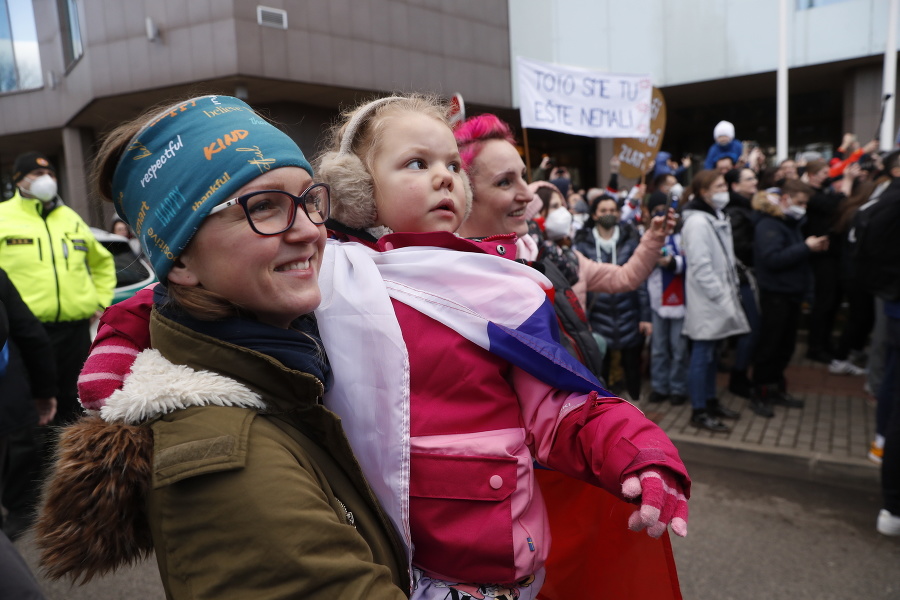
662,501
105,370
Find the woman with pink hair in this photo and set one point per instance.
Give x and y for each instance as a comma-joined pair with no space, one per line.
501,199
500,192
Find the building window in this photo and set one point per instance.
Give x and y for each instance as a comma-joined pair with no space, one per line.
71,31
20,61
804,4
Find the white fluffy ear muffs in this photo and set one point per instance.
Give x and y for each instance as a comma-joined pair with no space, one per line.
352,186
352,189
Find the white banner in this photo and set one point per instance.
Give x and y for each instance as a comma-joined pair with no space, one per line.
583,102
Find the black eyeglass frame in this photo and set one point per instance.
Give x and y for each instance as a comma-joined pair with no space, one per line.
299,201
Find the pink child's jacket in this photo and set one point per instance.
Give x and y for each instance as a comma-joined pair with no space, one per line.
477,423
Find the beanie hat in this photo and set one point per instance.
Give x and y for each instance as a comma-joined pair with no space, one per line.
657,198
28,162
563,184
661,165
724,128
188,160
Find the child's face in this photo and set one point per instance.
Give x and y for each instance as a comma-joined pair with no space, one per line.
418,185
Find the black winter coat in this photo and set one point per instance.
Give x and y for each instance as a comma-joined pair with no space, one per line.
740,213
31,372
616,316
781,255
821,217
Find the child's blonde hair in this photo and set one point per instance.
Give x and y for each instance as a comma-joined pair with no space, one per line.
346,164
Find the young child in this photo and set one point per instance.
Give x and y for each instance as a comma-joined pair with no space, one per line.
726,145
448,377
669,351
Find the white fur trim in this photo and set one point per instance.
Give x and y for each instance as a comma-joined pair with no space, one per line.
156,387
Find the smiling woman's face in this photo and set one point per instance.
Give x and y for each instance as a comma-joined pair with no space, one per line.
274,277
500,192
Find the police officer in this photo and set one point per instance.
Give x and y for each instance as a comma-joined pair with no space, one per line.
66,278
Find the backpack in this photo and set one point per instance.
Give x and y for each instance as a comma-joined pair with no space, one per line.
874,244
575,333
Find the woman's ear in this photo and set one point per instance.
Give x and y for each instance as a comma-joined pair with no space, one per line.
183,275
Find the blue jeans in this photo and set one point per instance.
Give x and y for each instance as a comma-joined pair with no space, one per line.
702,372
746,344
668,356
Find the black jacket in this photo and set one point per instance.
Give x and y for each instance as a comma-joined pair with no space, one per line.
31,372
821,217
780,255
740,213
616,316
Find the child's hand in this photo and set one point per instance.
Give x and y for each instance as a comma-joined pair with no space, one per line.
662,501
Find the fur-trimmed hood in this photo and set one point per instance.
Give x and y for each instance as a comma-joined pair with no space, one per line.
157,387
762,202
92,519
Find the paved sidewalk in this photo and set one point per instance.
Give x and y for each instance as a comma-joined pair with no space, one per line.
827,440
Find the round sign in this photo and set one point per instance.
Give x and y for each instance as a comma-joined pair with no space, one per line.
637,155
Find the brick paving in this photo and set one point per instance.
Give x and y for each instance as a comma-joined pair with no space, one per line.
827,439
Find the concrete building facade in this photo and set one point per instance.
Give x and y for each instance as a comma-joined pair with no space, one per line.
717,59
70,70
299,61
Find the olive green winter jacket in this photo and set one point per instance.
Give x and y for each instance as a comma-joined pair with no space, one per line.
253,491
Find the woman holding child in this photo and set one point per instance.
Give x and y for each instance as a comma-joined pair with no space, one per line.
217,452
447,378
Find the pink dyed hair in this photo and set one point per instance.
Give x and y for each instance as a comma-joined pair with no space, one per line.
474,132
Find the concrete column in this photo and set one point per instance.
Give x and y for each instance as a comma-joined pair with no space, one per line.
76,164
604,153
889,79
781,91
862,102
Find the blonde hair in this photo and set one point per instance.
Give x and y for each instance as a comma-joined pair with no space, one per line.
353,142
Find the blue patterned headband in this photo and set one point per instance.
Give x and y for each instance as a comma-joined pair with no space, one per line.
188,160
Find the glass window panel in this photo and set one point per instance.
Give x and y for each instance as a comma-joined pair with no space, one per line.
8,78
804,4
20,59
71,31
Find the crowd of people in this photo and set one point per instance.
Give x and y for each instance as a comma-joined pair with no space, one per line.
754,245
288,377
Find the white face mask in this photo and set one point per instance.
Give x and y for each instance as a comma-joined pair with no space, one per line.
43,188
558,223
795,212
676,191
720,200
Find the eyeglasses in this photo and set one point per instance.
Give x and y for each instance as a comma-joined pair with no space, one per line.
271,212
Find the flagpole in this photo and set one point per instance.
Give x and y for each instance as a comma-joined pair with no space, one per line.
889,81
527,155
781,85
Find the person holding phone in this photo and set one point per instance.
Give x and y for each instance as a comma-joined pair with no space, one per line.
781,256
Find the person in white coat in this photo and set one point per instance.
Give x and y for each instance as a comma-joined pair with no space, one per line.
713,306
